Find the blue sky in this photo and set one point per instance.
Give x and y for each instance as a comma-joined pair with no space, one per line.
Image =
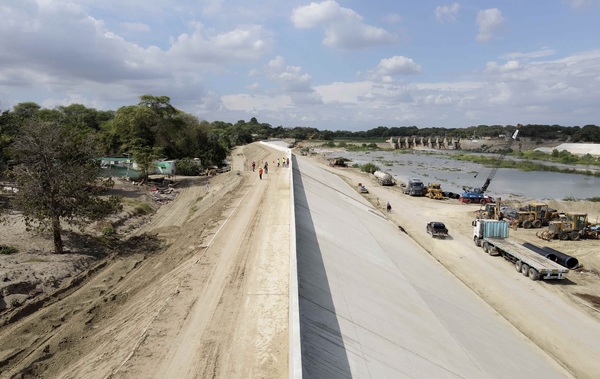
337,65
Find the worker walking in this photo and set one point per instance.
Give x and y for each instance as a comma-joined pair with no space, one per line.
389,207
253,165
260,171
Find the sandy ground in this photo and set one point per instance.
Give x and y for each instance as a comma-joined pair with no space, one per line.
562,317
196,291
180,297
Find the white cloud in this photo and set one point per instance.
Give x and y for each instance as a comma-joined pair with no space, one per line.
545,52
398,65
490,23
447,13
250,103
206,46
507,67
344,28
292,80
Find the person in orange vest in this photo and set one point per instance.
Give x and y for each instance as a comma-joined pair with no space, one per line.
260,171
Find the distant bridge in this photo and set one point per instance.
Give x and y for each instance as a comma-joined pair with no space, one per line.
442,143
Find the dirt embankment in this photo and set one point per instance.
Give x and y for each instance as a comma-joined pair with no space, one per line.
128,310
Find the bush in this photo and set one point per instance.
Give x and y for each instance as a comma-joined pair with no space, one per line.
109,231
369,167
5,249
142,209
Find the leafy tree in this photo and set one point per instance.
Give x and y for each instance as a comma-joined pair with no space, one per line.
145,156
589,133
57,178
188,167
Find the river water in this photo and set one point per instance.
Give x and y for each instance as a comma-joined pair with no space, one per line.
453,175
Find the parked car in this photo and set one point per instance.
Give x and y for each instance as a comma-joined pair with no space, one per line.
437,229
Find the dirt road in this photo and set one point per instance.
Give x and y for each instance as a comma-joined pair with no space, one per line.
201,294
548,313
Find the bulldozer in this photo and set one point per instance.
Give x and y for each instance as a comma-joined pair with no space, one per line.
434,191
522,218
527,220
543,214
569,226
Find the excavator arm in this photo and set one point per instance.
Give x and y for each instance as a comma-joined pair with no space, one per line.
499,160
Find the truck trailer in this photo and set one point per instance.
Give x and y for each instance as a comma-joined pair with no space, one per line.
384,178
492,236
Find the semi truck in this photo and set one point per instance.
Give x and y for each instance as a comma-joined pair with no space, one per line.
384,178
415,187
492,236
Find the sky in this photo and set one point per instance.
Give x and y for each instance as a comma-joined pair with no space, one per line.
335,64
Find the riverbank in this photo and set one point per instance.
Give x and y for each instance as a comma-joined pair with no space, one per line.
543,310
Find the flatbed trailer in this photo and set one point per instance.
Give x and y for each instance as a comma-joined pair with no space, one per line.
492,235
527,262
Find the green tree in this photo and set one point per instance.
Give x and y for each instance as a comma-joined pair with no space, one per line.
145,156
57,178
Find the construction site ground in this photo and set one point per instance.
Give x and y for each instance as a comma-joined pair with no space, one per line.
125,309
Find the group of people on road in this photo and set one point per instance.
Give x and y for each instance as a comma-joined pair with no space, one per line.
283,162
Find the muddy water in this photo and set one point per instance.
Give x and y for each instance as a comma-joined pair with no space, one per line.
453,175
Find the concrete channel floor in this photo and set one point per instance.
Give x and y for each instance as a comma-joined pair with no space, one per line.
374,304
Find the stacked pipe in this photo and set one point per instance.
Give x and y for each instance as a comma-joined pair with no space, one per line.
563,259
554,255
540,251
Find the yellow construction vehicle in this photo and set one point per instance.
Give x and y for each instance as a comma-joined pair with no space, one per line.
491,211
434,191
543,214
569,226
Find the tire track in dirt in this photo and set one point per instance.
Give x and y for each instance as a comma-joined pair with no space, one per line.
130,318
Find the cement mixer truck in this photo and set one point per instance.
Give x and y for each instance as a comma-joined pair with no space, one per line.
384,178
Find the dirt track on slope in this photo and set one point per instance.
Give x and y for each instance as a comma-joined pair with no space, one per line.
199,294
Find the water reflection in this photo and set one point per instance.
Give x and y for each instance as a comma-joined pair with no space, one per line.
453,175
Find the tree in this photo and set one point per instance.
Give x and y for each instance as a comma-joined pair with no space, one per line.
57,177
145,156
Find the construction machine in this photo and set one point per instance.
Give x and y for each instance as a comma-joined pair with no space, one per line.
434,191
569,226
543,214
339,162
476,195
522,218
526,219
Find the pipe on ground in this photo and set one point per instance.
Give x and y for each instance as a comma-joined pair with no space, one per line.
540,251
563,259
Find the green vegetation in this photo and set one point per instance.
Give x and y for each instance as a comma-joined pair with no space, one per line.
109,231
369,167
142,209
58,178
523,165
7,250
564,157
362,147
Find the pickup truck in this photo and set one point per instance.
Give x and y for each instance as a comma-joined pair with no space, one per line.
437,229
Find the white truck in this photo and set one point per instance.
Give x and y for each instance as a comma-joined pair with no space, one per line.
384,178
492,235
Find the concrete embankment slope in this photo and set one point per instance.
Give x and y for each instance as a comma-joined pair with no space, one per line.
373,304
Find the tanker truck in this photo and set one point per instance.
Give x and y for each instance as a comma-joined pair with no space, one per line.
384,178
